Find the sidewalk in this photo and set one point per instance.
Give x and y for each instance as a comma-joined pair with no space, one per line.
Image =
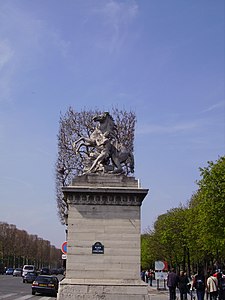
161,294
158,294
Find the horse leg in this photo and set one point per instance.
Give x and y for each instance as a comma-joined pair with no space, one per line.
131,159
117,164
78,141
82,142
99,159
74,145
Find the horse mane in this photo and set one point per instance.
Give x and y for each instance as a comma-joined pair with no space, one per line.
108,125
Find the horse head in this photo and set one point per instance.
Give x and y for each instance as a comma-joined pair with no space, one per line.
106,123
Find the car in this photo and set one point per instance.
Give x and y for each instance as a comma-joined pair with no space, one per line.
54,271
9,271
61,271
45,271
45,284
28,268
30,277
17,272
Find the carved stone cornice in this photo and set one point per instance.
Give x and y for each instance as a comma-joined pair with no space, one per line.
104,196
104,190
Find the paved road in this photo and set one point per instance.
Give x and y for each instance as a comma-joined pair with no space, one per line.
13,288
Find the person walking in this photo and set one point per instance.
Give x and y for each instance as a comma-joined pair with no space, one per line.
146,276
172,282
221,286
143,275
183,285
212,286
150,276
199,284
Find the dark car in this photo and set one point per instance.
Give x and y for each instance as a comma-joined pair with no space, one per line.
9,271
54,271
61,271
45,284
30,277
45,271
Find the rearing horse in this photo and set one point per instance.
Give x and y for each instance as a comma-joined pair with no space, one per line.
106,124
104,140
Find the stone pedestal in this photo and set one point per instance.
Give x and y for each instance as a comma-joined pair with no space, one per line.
103,260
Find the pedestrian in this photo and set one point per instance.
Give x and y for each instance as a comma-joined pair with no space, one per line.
172,282
146,276
150,276
183,285
212,286
200,284
143,275
221,285
192,291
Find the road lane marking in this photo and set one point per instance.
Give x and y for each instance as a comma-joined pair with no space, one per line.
45,298
7,296
24,297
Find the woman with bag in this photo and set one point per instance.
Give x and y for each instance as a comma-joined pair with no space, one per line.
212,286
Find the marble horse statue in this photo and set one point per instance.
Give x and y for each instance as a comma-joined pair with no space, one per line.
106,154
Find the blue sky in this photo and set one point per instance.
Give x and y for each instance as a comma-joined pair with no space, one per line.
164,60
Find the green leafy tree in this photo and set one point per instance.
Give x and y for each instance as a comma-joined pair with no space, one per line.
193,236
211,208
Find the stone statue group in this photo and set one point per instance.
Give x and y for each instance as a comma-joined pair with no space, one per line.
105,154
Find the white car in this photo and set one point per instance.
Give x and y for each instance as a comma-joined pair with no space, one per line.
17,272
28,268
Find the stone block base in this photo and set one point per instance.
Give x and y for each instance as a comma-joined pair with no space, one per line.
70,289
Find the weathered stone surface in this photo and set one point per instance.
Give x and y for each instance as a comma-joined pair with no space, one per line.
106,292
106,180
103,209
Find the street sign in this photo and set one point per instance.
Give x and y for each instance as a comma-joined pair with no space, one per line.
161,265
98,248
64,256
64,248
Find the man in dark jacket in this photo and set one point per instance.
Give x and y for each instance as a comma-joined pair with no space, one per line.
172,281
183,285
200,284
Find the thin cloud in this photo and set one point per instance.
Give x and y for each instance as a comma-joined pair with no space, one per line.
167,129
214,106
6,68
6,53
116,19
23,40
13,180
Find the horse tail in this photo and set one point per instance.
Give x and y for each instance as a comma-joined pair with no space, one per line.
131,159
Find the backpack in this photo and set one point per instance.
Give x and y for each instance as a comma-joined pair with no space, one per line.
199,284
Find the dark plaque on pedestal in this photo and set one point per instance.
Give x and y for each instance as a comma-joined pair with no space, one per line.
98,248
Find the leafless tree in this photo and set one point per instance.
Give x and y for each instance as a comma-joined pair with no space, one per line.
74,125
17,248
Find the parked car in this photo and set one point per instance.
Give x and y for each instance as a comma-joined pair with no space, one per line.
2,269
61,271
17,272
30,277
54,271
45,284
9,271
45,271
28,268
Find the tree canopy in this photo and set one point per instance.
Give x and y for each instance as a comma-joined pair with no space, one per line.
17,248
193,235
